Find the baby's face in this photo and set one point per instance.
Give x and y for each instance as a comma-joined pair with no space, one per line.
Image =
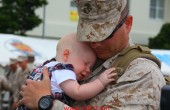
83,64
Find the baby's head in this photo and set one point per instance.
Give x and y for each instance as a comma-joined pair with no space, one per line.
79,54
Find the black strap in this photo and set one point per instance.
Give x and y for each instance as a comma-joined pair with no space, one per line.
131,53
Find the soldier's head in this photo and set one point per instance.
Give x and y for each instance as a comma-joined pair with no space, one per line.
30,58
22,62
105,25
13,64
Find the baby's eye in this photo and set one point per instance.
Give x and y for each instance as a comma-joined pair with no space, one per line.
90,68
86,63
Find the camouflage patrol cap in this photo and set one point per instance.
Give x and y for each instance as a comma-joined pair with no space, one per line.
30,55
98,18
12,60
21,58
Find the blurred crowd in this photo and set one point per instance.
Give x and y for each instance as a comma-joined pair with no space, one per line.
12,77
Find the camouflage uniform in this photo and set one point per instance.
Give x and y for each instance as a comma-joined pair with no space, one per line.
13,78
22,75
4,85
140,85
12,74
30,60
31,66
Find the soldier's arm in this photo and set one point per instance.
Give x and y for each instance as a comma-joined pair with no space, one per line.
6,85
34,90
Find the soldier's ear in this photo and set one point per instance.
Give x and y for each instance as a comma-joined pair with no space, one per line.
128,23
66,54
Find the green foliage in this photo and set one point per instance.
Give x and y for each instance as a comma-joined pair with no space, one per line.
162,40
18,16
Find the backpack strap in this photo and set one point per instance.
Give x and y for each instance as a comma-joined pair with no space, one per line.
131,53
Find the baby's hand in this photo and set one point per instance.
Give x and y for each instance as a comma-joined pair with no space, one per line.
107,76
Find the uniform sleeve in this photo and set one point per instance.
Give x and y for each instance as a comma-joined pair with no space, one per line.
58,105
6,85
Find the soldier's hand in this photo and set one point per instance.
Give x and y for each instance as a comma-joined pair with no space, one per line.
32,91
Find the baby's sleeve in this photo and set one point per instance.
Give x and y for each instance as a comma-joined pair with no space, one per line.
62,75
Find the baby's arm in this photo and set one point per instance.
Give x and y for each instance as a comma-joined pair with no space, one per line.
88,90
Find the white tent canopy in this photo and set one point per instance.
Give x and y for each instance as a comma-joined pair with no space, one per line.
12,46
44,49
164,57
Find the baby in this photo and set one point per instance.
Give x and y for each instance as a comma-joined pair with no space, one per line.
73,63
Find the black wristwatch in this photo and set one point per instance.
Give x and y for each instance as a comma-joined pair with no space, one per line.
45,102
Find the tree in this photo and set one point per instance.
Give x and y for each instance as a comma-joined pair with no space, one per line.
18,16
162,40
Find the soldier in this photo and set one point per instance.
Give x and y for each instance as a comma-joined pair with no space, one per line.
21,76
4,85
30,60
12,75
12,70
105,25
23,63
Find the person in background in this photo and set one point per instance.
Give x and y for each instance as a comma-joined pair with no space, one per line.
30,60
73,63
21,76
12,68
5,85
12,76
105,25
23,63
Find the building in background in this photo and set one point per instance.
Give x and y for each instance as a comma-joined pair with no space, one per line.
149,16
60,18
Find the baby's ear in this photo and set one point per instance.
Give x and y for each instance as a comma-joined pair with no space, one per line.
66,54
